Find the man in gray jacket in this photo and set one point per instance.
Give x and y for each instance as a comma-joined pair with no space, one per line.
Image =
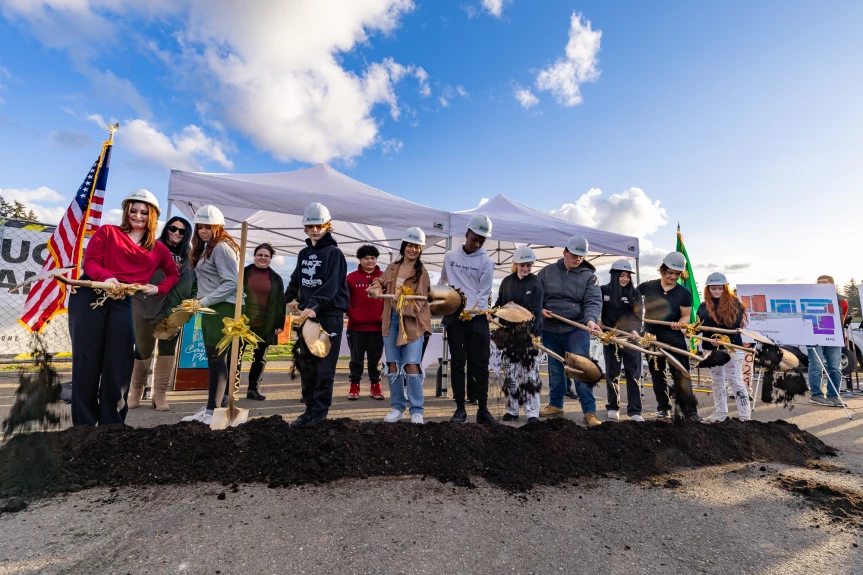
569,289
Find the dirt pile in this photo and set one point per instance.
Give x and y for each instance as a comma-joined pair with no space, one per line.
268,451
842,505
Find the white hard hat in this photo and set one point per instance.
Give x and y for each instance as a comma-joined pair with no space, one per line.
145,196
415,236
523,255
316,215
209,216
481,225
622,265
716,279
577,246
675,261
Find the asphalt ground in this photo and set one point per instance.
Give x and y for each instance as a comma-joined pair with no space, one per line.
725,519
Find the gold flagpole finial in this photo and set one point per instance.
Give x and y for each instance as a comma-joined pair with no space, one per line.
111,130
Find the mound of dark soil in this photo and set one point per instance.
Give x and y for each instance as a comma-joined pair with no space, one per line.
268,451
842,505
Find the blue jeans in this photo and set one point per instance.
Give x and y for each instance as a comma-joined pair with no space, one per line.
832,359
402,355
576,341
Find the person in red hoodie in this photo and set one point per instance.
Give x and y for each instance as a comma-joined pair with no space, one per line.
364,323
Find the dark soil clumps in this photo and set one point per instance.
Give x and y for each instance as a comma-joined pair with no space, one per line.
267,451
843,506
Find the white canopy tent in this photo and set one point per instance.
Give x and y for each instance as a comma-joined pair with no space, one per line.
273,205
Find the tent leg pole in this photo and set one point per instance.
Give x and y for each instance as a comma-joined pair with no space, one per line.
637,273
168,213
444,372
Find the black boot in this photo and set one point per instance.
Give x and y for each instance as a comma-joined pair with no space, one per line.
460,415
224,401
509,417
570,389
253,393
533,420
484,417
302,420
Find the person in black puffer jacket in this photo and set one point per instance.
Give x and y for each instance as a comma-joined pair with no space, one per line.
722,309
147,311
318,288
621,309
521,382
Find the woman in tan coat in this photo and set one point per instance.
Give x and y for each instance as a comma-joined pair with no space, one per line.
404,323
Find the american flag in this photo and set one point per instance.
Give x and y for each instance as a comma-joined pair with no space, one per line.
47,298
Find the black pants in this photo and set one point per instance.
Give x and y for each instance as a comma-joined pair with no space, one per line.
103,355
259,359
469,346
631,360
656,366
217,364
318,387
362,344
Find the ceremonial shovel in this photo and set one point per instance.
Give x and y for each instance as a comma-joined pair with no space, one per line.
233,415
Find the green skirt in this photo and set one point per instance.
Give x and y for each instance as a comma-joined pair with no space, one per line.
212,324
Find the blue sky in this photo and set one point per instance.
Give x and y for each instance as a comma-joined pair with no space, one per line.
740,120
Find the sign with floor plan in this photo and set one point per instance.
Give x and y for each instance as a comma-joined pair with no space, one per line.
794,314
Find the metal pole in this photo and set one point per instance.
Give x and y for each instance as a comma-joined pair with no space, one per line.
830,381
757,389
444,372
637,273
168,213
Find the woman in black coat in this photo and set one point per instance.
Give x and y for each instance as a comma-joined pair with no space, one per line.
522,383
265,308
621,309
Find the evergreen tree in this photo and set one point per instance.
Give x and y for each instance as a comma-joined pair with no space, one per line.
16,210
852,292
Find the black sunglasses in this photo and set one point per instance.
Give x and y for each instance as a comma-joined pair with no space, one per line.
175,230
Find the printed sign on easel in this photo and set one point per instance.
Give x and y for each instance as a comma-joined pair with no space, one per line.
794,314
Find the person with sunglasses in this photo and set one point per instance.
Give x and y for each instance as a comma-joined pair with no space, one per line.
148,310
667,300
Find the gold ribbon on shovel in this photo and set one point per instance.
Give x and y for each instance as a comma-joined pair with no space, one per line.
401,302
237,328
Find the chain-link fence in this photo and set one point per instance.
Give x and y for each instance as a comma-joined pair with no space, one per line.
23,249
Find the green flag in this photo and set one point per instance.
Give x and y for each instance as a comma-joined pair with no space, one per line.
687,280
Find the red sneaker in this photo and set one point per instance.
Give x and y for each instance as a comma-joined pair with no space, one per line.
354,393
376,391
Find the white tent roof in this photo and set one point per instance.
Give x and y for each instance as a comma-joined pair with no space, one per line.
273,205
514,224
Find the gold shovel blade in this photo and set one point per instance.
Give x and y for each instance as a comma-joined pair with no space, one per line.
513,313
587,371
224,417
789,361
316,338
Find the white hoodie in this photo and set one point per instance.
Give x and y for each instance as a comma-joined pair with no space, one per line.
473,274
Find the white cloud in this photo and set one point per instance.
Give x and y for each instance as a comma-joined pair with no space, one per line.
526,98
578,66
33,200
393,145
448,94
423,78
273,69
494,7
184,151
632,212
444,102
114,217
461,91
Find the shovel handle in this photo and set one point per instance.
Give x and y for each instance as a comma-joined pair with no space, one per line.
686,325
663,346
407,297
238,311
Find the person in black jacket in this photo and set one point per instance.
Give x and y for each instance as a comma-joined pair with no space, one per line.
265,308
319,288
721,308
522,384
148,310
621,309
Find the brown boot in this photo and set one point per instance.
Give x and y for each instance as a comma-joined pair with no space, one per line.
138,383
161,380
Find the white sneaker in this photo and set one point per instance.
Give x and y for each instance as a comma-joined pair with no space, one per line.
637,418
716,417
417,418
201,416
393,416
613,414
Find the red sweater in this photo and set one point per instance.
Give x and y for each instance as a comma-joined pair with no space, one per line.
364,313
112,254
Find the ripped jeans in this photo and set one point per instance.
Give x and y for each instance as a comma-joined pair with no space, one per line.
402,355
